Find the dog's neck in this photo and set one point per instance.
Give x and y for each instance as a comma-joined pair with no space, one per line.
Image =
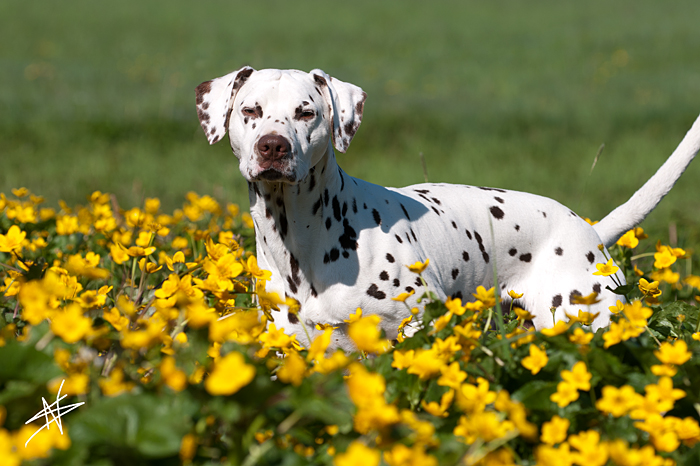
292,220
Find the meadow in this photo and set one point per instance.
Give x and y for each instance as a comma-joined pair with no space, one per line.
128,280
505,94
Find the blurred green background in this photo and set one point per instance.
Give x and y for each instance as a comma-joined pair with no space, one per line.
513,94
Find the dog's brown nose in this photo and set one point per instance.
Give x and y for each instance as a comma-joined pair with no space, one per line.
273,147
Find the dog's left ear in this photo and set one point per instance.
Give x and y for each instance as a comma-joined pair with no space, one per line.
214,100
346,103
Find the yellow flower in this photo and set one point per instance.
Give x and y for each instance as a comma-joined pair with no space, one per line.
515,295
274,338
403,296
198,314
475,398
252,268
425,364
559,328
441,322
664,257
12,241
666,276
439,410
637,314
114,385
581,337
445,349
172,376
118,253
452,376
549,456
74,384
537,359
485,425
522,314
578,376
649,289
664,391
188,447
358,454
488,297
554,431
366,334
628,240
419,266
354,317
137,251
317,349
590,450
402,359
230,374
661,370
676,353
585,300
565,394
692,280
617,401
660,430
617,308
584,318
401,455
688,431
293,369
606,269
70,324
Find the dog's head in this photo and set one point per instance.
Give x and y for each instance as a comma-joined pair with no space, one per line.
280,122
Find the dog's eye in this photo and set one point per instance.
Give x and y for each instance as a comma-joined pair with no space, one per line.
307,114
249,111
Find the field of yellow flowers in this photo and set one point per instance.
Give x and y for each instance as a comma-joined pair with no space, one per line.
160,324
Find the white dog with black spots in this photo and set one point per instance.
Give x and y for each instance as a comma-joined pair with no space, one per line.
337,243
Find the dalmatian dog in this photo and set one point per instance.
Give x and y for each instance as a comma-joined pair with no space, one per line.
337,243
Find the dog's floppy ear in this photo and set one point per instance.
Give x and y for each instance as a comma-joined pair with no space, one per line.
346,102
214,100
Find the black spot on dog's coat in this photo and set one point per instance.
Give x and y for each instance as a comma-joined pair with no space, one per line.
525,257
375,292
497,212
384,275
573,294
558,251
390,258
377,218
590,256
557,300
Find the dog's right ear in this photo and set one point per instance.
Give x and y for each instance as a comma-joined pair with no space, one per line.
214,100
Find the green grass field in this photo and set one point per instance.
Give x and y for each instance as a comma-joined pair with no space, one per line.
510,94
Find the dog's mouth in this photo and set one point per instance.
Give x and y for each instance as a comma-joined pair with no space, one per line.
273,174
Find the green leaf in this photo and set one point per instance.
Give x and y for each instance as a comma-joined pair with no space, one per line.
535,394
23,362
622,290
151,426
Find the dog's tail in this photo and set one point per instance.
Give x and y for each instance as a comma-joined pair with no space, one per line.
632,212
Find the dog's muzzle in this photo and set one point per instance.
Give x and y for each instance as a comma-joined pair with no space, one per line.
274,154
